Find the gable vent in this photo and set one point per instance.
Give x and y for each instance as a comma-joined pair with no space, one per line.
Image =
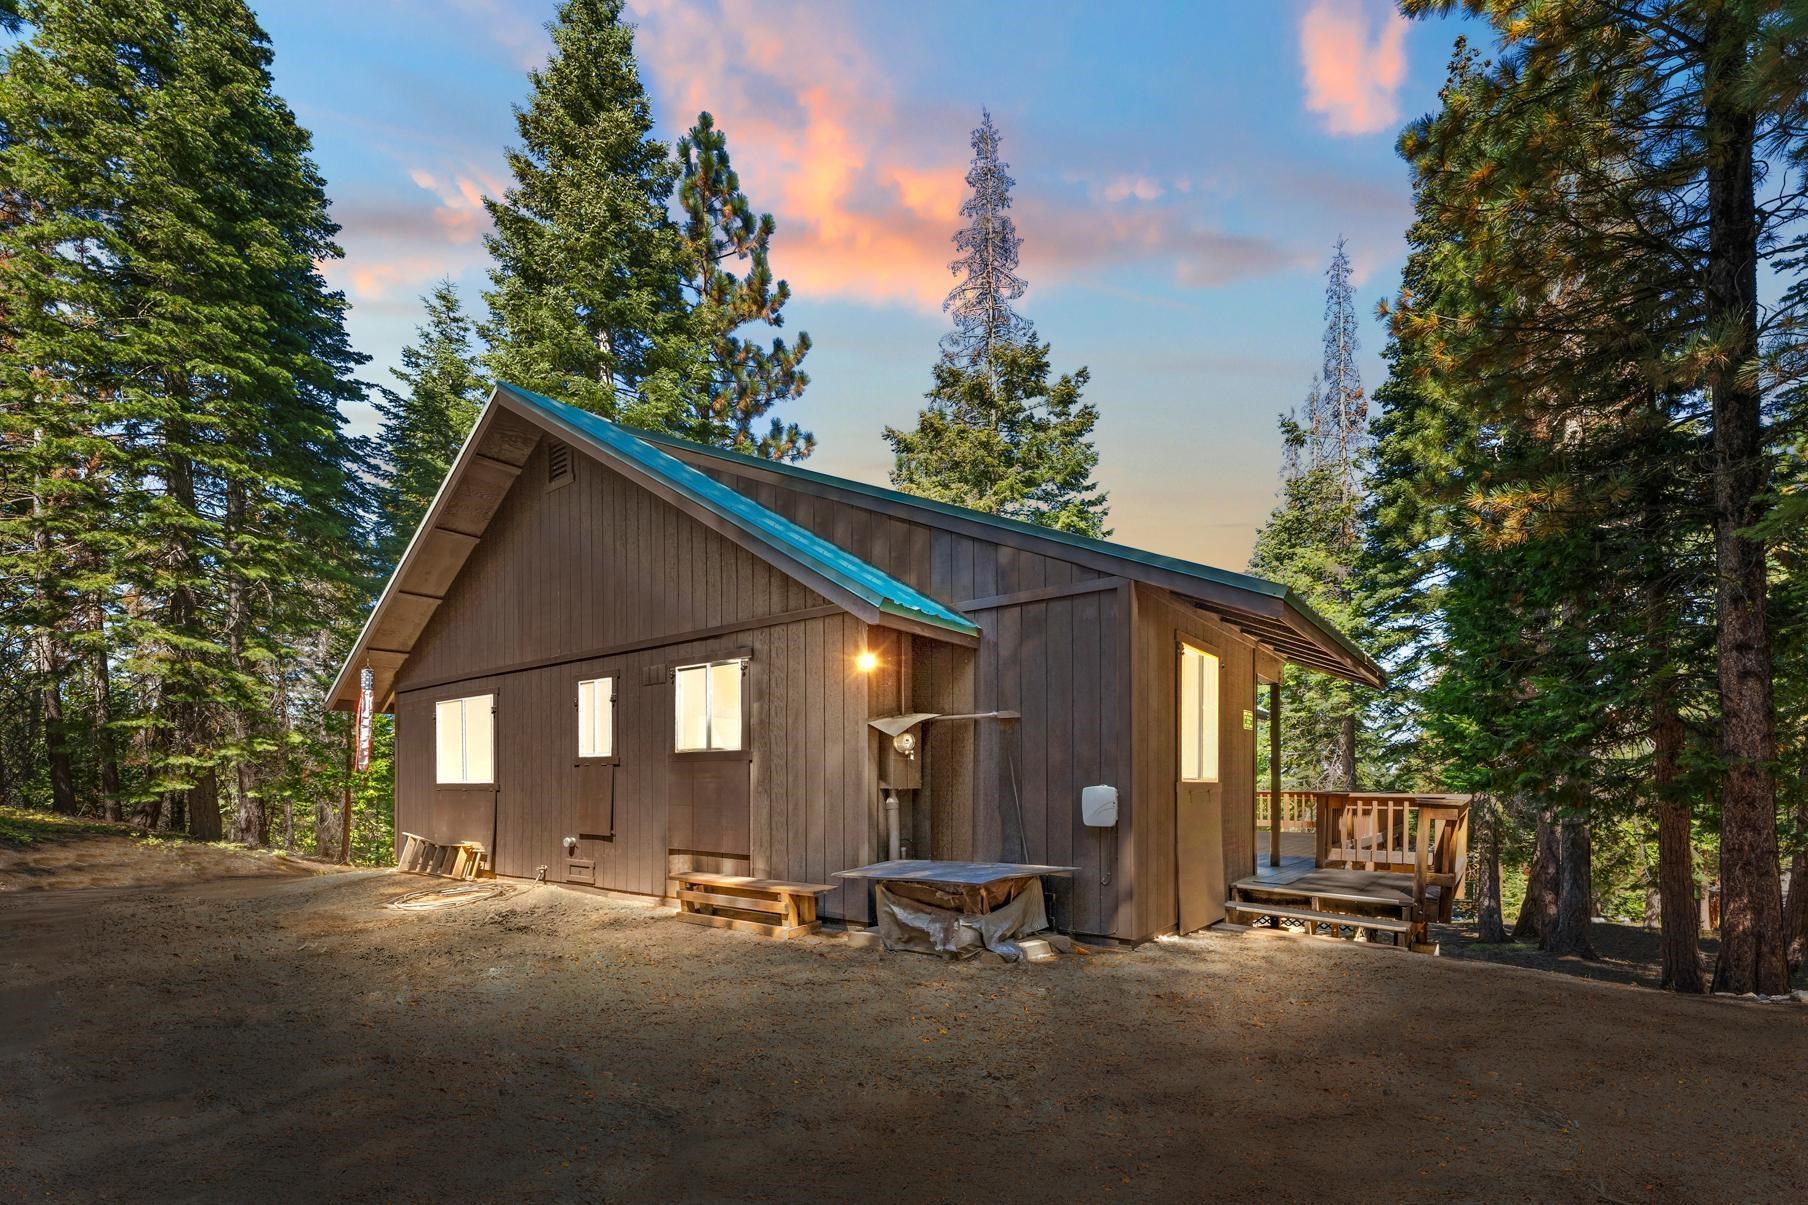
558,463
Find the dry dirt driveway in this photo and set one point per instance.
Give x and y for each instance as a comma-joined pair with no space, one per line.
288,1037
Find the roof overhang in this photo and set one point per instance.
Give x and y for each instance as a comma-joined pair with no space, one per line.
507,431
1269,613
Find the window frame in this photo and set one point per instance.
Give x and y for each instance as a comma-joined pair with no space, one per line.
742,750
464,745
613,757
1212,672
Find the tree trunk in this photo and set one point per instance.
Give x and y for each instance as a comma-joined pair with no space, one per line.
1568,934
204,807
1795,911
1489,923
250,823
105,742
1677,910
1752,956
56,737
351,774
1538,912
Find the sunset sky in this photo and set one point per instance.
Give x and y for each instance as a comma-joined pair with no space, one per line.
1182,171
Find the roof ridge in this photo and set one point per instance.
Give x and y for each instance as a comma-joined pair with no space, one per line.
1230,577
851,572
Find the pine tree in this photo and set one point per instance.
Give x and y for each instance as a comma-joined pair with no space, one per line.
987,264
1006,441
997,435
585,301
1312,539
424,427
1598,178
169,335
1341,424
737,382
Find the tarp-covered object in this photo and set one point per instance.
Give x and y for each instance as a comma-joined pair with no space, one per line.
928,919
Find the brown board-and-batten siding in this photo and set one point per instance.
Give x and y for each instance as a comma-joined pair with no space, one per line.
1161,622
1055,647
598,577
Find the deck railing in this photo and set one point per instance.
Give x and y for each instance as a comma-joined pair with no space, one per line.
1299,809
1386,830
1378,830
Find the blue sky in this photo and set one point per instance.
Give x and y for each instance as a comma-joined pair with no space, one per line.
1182,172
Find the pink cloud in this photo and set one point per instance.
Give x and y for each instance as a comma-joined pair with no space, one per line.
865,203
1353,73
460,212
867,186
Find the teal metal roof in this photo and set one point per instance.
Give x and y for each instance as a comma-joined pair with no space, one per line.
864,581
1123,552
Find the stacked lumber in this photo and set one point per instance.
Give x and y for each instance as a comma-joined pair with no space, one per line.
458,860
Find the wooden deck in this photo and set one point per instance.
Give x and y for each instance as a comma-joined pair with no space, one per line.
1377,881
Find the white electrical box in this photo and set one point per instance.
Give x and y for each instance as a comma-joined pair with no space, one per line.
1098,806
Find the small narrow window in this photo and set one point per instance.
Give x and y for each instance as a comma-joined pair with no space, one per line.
596,717
558,463
1198,715
707,702
464,744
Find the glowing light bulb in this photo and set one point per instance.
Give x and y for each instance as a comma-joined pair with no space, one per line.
866,662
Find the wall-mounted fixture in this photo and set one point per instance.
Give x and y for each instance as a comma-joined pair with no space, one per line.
899,766
1098,806
866,661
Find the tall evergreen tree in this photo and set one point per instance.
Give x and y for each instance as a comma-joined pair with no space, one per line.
424,427
736,382
997,435
980,301
169,335
1006,440
585,300
1606,197
1312,539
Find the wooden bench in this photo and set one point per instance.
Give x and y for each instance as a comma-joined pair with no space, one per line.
458,860
769,907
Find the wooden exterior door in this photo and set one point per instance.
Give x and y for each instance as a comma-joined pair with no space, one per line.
1198,787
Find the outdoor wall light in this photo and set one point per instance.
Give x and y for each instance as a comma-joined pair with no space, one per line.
866,661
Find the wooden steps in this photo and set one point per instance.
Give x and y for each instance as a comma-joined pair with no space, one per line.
1384,924
769,907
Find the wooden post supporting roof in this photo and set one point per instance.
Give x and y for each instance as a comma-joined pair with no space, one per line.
1274,774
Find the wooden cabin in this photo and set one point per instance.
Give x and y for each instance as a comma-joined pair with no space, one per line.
613,656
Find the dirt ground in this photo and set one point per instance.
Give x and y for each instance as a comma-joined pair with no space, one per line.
265,1033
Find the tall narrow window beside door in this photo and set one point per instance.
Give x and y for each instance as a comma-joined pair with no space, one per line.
463,735
596,717
707,702
1198,715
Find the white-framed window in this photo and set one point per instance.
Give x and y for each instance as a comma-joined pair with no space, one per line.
464,739
706,700
1198,715
596,717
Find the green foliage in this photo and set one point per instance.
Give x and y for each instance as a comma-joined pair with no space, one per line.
29,826
1310,544
1001,438
1575,418
585,300
735,382
179,501
997,436
373,800
424,428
